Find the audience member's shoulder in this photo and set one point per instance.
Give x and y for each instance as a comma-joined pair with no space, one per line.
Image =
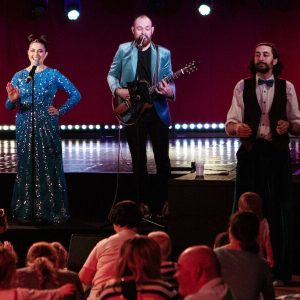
24,271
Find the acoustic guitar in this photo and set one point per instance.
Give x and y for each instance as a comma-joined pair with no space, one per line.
141,96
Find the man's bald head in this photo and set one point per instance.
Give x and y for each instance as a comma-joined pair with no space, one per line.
196,266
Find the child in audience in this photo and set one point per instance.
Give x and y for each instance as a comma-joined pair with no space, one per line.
8,262
252,202
62,255
167,267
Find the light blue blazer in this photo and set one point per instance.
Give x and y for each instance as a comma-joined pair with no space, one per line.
123,70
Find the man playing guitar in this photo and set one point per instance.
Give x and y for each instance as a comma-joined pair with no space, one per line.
143,61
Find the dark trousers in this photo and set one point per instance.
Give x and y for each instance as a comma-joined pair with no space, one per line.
150,126
267,171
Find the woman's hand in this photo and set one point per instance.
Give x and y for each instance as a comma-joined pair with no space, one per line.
53,111
12,92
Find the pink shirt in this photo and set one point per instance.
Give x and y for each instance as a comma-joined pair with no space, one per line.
101,262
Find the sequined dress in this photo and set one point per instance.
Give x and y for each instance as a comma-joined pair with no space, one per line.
47,201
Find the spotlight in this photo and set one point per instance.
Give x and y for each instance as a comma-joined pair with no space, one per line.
205,7
72,9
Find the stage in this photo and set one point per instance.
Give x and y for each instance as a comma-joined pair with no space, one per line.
99,171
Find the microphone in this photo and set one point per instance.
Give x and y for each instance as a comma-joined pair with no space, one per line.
141,40
32,71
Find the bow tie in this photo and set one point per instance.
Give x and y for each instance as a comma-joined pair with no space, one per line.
268,83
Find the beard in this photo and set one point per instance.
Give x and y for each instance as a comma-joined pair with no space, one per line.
142,41
262,68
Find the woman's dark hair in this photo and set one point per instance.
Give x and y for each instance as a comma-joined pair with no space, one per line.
126,213
42,40
244,227
277,69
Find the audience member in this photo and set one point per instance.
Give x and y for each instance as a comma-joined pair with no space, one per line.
250,201
167,267
240,256
138,273
62,255
100,264
222,239
198,275
8,262
42,272
3,221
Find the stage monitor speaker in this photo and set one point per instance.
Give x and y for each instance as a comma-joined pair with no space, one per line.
80,247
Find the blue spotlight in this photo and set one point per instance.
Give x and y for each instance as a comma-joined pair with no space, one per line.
72,9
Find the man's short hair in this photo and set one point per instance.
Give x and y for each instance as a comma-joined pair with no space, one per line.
126,213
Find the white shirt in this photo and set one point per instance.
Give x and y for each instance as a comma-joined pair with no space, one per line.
265,97
214,289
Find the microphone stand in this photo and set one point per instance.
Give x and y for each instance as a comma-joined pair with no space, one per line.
33,172
147,220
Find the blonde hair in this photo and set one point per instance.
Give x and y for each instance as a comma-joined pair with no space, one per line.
42,257
252,202
139,257
62,254
164,242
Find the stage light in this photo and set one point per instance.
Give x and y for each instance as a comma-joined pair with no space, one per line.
72,9
205,7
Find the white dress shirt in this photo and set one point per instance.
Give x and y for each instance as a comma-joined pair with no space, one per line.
265,95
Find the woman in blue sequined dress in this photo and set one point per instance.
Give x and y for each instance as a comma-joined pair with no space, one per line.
40,194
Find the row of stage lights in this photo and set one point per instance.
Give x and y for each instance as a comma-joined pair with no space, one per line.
72,8
182,127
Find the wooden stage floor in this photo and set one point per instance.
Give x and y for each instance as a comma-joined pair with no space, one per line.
108,155
102,155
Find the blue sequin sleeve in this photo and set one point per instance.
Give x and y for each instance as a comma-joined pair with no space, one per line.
63,83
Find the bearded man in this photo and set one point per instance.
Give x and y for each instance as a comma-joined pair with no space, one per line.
143,61
263,112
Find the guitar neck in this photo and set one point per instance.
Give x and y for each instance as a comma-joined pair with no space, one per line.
167,79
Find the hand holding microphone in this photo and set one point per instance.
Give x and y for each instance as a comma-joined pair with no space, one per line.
32,71
141,40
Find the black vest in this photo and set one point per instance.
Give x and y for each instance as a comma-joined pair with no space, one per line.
252,111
